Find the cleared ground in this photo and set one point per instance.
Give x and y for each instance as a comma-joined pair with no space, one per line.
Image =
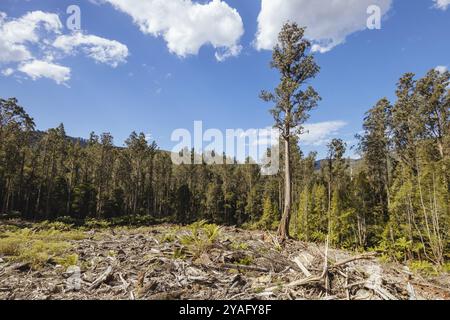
201,261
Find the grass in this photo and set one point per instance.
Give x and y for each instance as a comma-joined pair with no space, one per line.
259,290
57,225
96,224
179,253
67,260
246,261
427,268
50,242
37,247
239,246
168,238
37,253
446,268
9,247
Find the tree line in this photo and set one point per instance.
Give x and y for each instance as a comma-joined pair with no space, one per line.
395,199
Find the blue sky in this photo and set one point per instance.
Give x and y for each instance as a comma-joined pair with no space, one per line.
158,85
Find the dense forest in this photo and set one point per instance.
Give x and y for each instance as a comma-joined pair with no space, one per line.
395,199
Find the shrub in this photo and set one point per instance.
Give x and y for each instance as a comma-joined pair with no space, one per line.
423,267
38,247
97,224
9,247
37,253
67,220
201,236
67,260
56,225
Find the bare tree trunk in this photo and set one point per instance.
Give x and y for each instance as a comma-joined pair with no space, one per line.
69,189
283,230
21,177
441,148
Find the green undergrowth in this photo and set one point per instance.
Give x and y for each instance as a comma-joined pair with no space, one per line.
200,236
46,243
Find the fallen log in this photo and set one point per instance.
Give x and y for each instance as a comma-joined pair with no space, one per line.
311,279
105,275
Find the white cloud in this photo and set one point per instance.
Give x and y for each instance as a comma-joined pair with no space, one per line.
222,55
30,44
328,22
42,69
97,2
7,72
10,52
25,28
102,50
186,26
441,69
17,33
317,134
442,4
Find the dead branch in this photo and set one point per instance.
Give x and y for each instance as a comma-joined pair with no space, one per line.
365,256
302,267
243,267
105,275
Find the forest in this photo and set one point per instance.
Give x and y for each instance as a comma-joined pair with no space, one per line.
395,199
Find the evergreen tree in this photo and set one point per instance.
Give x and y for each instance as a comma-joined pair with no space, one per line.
292,101
374,145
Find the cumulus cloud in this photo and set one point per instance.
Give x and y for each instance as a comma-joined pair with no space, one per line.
186,26
16,34
42,69
30,44
25,28
442,4
101,50
317,134
328,22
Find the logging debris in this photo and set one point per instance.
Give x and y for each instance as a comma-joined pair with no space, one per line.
168,262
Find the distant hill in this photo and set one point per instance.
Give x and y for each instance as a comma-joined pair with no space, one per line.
38,135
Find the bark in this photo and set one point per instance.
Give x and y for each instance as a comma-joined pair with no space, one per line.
283,230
